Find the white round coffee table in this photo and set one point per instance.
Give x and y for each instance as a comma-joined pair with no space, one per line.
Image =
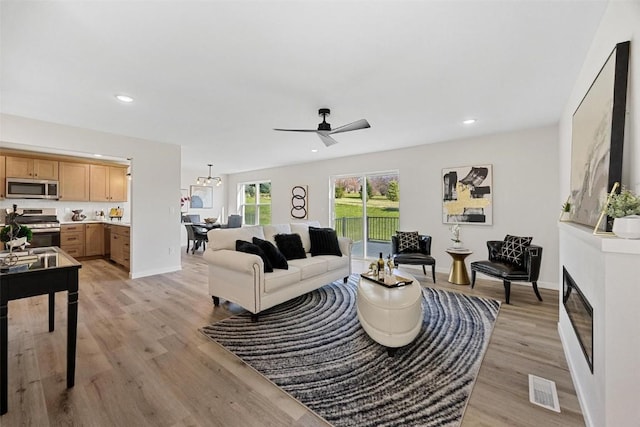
390,316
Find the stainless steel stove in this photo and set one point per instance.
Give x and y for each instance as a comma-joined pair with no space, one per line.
43,223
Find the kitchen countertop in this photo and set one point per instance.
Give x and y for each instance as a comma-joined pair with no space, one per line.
97,221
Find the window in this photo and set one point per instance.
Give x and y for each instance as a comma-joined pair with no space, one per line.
255,202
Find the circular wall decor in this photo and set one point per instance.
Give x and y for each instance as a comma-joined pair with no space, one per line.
299,202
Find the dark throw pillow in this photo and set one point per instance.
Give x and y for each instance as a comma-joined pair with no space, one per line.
290,245
512,250
408,241
275,256
250,248
324,241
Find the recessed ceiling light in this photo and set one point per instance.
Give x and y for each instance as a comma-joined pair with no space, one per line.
315,150
124,98
97,155
469,121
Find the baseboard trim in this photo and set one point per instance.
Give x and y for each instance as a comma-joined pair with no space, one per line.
139,274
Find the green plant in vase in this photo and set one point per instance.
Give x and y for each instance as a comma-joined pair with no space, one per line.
624,207
14,233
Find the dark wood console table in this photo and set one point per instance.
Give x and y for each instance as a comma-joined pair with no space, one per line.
49,270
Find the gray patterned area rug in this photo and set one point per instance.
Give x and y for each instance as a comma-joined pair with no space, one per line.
314,349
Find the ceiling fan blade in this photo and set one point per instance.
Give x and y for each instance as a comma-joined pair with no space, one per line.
297,130
326,139
359,124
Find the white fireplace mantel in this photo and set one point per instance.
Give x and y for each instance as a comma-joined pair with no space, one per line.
607,271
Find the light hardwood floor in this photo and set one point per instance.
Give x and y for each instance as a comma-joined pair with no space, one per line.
142,362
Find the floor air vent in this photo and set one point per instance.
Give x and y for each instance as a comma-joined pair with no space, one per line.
543,392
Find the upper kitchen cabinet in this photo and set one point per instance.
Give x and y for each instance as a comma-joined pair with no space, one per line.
25,167
3,182
74,181
108,183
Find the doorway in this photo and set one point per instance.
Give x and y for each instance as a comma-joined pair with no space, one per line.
366,208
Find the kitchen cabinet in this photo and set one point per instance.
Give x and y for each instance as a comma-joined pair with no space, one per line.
120,251
74,181
3,181
72,239
108,183
25,167
93,239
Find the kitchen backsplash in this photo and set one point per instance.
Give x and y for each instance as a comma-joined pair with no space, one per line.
64,209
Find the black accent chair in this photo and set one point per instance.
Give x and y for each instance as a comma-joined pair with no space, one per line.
528,272
197,235
423,257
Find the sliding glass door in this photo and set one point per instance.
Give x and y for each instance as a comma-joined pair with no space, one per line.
366,208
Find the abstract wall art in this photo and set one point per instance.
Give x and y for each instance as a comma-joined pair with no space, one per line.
299,202
201,197
467,195
597,140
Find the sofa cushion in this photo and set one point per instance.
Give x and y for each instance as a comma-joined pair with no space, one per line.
281,279
324,241
290,245
275,256
273,229
408,241
250,248
335,262
225,238
310,267
512,250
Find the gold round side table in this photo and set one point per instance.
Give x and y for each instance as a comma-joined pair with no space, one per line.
458,274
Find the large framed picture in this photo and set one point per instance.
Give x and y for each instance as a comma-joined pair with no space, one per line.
201,197
597,140
467,195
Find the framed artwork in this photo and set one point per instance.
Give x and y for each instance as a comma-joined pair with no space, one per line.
597,140
201,197
467,195
299,202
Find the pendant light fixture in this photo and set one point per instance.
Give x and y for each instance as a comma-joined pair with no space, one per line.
202,180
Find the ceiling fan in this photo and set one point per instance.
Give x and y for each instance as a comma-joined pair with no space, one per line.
324,129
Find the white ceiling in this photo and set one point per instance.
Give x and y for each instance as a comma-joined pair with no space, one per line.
217,76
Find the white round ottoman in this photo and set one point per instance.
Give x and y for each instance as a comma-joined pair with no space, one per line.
390,316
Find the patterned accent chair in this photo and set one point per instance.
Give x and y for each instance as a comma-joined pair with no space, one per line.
421,256
515,266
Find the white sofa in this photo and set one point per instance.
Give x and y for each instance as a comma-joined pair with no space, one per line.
239,277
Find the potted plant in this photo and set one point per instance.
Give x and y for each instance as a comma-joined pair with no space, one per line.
624,207
13,234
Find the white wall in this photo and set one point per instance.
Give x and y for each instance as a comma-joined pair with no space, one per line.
525,185
609,396
155,187
621,22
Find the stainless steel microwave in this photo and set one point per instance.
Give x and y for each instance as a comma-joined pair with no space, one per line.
19,188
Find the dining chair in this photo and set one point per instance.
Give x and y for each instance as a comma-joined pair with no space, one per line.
197,235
